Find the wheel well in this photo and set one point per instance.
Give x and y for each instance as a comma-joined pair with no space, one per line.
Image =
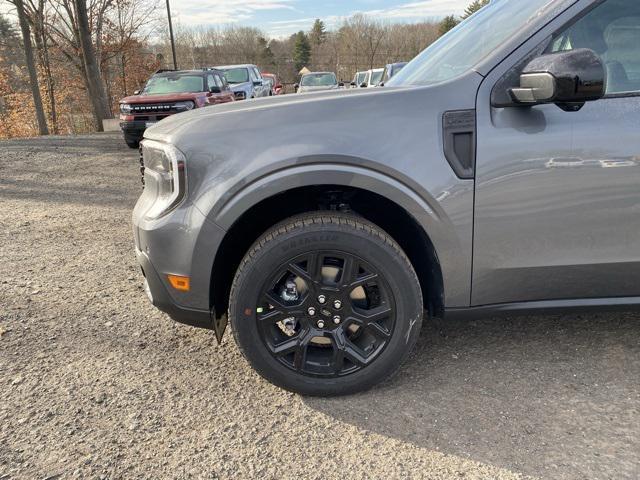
389,216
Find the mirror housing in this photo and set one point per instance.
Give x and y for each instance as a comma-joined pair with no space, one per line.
568,79
364,85
341,84
353,84
215,89
258,83
136,92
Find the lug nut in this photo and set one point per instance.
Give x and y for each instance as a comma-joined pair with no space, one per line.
322,299
320,324
337,319
311,311
337,304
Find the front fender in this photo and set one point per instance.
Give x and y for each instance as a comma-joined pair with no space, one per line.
446,235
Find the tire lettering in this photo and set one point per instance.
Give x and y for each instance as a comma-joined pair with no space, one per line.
301,242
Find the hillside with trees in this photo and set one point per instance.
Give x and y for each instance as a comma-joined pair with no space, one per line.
64,64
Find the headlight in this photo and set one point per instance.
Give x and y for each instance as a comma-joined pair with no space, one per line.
184,106
126,108
164,176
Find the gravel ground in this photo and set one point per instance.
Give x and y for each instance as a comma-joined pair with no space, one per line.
95,383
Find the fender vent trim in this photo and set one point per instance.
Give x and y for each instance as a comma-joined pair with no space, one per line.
459,137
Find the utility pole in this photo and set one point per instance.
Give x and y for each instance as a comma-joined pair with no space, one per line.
173,43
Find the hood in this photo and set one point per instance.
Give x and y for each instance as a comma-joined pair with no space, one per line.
240,87
269,114
318,88
169,97
175,123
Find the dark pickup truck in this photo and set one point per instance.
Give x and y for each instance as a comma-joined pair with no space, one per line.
169,92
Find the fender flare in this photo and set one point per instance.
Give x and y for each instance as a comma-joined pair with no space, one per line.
425,211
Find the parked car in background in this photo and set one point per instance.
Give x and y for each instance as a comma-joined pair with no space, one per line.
268,82
506,180
277,88
169,92
375,77
318,81
246,81
360,79
390,70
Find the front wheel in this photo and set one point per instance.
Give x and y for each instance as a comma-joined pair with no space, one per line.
132,143
326,304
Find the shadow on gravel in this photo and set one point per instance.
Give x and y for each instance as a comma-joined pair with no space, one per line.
110,142
41,191
555,397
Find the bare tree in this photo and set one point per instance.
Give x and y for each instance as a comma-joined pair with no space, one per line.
36,12
31,67
97,92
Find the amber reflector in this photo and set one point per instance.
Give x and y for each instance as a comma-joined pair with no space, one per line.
179,283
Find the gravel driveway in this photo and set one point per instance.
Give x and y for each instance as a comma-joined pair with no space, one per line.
95,383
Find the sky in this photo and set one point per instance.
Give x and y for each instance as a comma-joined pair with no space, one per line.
279,18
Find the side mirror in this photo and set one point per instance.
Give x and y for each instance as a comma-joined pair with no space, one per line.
364,85
136,92
296,86
353,84
258,83
341,84
568,79
278,87
215,89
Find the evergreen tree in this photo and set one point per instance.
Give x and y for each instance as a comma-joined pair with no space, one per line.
474,7
8,34
301,50
266,57
318,33
447,24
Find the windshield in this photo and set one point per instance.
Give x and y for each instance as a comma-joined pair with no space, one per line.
376,77
360,77
174,84
236,75
396,68
319,80
470,42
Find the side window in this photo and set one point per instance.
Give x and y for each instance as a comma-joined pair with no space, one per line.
252,74
612,30
210,81
223,82
258,74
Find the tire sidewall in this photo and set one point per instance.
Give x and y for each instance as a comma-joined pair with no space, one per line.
394,266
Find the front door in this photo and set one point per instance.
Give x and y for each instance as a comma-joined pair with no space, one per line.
557,211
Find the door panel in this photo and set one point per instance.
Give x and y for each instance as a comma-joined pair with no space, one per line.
557,210
558,203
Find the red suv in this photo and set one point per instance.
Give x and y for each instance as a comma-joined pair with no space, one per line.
168,92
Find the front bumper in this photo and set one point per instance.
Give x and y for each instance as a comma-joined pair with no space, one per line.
133,129
159,296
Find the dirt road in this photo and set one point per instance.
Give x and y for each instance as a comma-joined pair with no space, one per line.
95,383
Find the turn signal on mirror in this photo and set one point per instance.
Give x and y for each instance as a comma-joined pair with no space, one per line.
179,282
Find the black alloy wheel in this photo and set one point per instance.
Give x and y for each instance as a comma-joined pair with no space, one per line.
326,313
324,304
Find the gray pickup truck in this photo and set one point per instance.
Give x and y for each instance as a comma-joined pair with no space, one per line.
505,177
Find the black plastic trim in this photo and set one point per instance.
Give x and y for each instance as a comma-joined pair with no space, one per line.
546,307
459,138
163,301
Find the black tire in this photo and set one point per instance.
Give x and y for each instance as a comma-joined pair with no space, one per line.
354,238
132,143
